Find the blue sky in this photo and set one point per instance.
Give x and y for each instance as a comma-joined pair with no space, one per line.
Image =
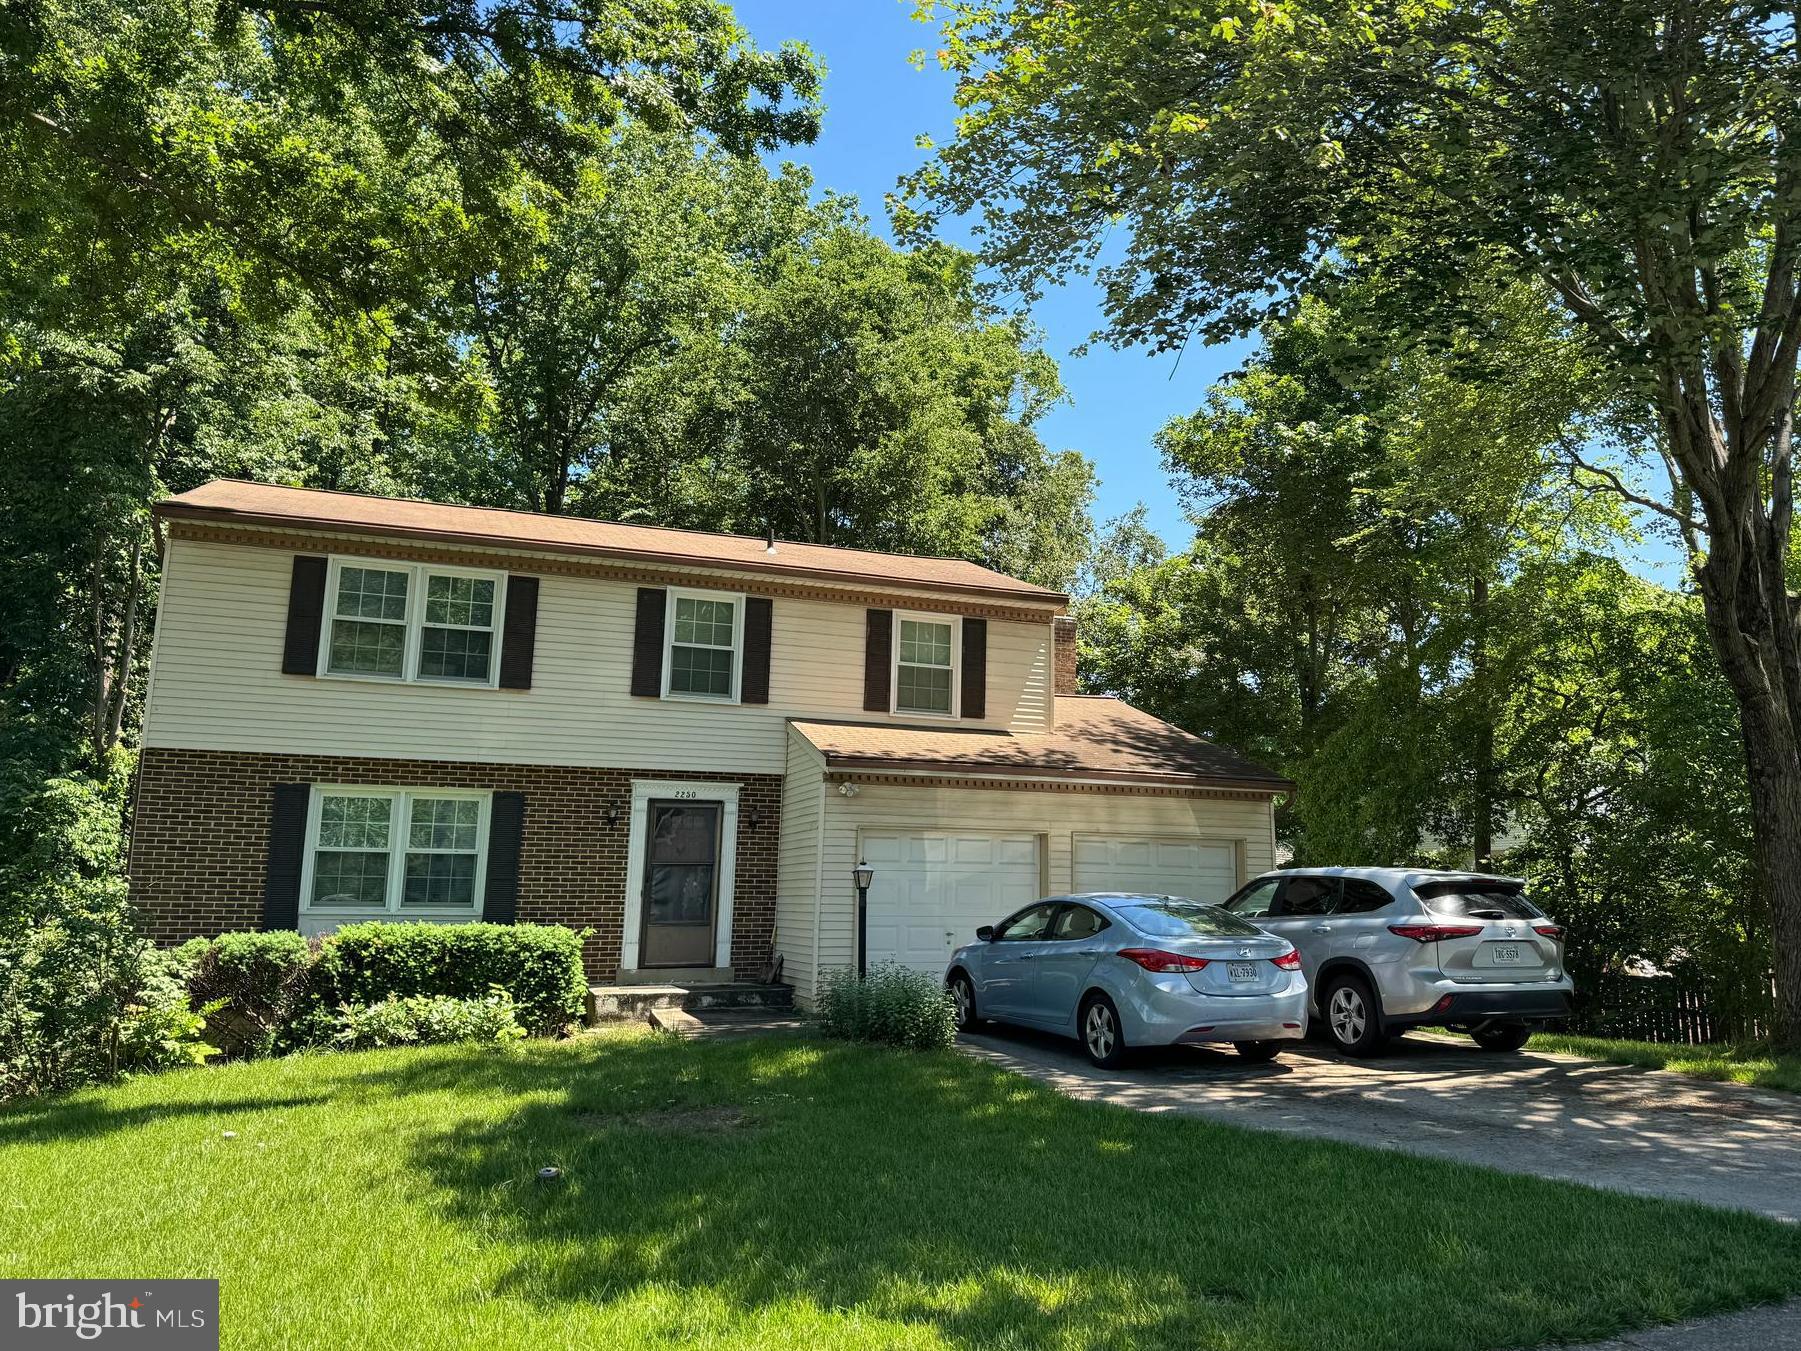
876,103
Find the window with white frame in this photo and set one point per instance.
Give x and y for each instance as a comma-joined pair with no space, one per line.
924,665
413,852
704,633
420,623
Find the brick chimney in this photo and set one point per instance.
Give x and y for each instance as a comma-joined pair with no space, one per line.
1063,655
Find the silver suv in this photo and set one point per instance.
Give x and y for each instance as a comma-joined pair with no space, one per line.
1386,949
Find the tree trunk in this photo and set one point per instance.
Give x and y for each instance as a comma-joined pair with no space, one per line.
1773,757
1482,810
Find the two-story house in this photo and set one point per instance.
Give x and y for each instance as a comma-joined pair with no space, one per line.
364,708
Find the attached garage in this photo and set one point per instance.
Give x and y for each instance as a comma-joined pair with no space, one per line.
934,888
1159,866
961,827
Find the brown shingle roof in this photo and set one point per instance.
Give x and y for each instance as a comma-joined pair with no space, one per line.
234,501
1096,737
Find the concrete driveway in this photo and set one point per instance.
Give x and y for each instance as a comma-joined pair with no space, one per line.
1547,1115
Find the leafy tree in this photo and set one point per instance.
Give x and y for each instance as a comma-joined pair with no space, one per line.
1638,160
351,150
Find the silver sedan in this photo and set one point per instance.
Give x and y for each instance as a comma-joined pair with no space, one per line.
1117,971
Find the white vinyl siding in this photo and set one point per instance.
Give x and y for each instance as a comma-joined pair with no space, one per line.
218,682
797,863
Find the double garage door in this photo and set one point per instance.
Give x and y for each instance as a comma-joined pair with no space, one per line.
932,889
1156,867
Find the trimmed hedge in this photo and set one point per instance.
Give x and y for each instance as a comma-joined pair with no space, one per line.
265,981
275,992
539,965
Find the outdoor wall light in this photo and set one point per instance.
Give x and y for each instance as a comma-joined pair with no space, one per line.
611,817
862,875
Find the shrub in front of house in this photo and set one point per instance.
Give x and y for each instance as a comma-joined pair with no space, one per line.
538,965
263,989
425,1020
893,1004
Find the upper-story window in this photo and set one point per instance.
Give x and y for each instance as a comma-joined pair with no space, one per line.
411,623
925,664
705,638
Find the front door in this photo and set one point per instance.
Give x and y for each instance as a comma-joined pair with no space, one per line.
681,884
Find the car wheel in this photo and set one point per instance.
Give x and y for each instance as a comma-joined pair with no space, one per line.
1502,1036
1101,1034
1349,1009
963,1002
1258,1052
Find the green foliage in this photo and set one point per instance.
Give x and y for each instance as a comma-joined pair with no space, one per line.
161,1030
1635,162
82,997
260,987
424,1020
538,965
892,1004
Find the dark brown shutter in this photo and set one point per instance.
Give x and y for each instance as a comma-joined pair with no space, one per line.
647,643
287,848
519,632
878,662
306,612
758,614
975,668
506,832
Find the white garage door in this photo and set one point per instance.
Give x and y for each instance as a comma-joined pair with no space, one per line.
1159,867
932,889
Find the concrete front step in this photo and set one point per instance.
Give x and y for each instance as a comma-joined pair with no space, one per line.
634,1003
725,1022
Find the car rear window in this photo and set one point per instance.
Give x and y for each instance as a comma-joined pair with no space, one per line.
1183,919
1476,900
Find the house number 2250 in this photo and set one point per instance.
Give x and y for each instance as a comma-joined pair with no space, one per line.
684,793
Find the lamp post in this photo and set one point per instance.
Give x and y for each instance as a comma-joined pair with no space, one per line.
862,875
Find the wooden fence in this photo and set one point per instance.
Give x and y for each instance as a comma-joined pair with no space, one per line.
1667,1010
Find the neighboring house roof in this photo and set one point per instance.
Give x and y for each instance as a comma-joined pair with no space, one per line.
230,501
1096,737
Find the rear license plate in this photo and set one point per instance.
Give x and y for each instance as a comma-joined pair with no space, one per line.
1506,954
1241,971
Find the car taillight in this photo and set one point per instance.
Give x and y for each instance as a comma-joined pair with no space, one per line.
1433,933
1554,932
1156,959
1288,961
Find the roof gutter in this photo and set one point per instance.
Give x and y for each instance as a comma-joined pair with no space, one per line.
992,770
170,510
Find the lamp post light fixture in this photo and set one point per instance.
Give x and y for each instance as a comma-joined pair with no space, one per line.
862,875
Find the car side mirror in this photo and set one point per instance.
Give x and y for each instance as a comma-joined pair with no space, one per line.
985,934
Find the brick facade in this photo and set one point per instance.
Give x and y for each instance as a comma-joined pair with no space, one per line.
201,832
1063,655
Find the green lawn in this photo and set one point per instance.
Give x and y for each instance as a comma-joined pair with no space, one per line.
1736,1064
779,1192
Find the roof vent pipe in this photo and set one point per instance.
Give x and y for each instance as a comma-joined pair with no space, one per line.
768,537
